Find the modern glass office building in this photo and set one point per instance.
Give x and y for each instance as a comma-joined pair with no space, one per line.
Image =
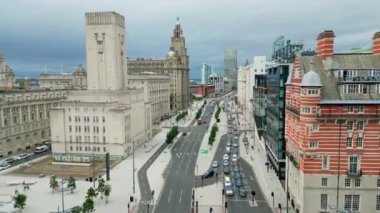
230,66
277,75
207,70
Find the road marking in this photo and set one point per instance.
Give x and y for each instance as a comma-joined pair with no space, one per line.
180,197
170,194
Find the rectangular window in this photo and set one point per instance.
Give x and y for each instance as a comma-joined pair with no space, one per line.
70,128
315,127
69,118
359,143
354,164
349,142
306,110
377,202
350,125
325,162
324,182
324,202
350,109
361,109
351,202
313,144
378,183
347,182
357,183
360,125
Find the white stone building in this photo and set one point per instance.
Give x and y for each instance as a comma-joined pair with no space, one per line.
109,116
76,80
218,82
157,88
24,119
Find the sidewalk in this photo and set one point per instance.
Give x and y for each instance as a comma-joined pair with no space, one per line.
267,179
40,197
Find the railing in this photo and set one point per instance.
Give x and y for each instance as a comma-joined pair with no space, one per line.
334,116
359,79
354,172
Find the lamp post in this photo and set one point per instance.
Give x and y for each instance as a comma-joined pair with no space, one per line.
272,194
63,201
133,165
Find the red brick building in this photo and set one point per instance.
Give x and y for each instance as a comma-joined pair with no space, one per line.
203,90
333,130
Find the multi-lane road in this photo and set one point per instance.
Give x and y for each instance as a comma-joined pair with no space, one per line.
177,192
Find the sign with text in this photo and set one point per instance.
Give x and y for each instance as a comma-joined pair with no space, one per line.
72,158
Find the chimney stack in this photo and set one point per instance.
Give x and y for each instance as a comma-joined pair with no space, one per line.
325,44
376,44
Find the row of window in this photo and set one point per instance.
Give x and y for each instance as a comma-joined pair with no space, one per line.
351,202
87,148
87,129
360,89
87,139
348,182
29,97
86,119
353,163
349,143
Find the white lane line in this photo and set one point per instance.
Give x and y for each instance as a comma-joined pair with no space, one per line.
170,194
180,197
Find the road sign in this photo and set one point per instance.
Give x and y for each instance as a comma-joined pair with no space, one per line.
204,151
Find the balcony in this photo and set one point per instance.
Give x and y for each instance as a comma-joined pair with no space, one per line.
293,110
354,172
359,79
337,116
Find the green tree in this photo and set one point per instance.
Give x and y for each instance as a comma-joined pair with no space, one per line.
91,193
71,184
107,191
101,185
88,205
172,134
76,209
53,182
20,201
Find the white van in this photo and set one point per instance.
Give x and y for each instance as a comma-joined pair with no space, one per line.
41,149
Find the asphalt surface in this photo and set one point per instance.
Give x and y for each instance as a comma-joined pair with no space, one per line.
177,191
31,156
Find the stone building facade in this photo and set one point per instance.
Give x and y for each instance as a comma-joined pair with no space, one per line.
24,119
76,80
332,130
108,117
157,88
176,65
7,76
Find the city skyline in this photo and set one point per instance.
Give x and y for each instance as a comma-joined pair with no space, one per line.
52,35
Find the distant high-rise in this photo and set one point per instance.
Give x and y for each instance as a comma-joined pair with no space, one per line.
230,65
207,70
285,52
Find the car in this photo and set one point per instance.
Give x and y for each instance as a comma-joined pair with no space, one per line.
238,182
228,143
229,191
4,166
236,137
225,157
225,163
10,160
237,175
235,145
22,156
184,133
242,192
41,149
208,174
226,170
228,150
234,156
214,164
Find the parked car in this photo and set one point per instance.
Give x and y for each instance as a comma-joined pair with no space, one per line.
208,174
4,166
242,192
228,150
10,160
22,156
225,157
239,183
225,163
215,164
228,143
226,170
235,145
41,149
229,191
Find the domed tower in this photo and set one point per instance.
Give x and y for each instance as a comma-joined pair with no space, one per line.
7,76
80,77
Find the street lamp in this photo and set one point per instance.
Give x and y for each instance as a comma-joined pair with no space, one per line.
63,201
272,194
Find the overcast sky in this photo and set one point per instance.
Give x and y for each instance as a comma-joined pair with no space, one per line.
35,33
